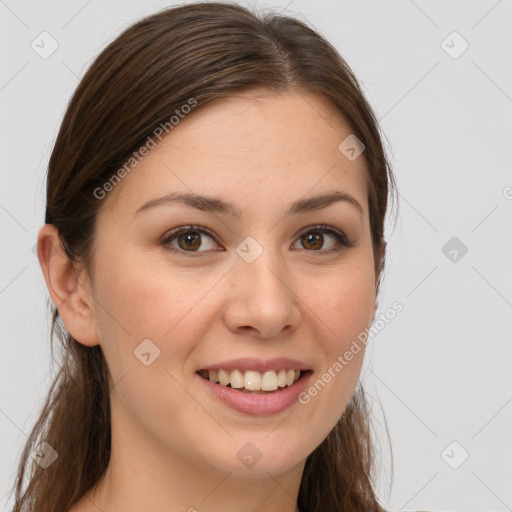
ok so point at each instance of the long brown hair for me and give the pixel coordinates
(203, 51)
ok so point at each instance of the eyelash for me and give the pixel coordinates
(340, 237)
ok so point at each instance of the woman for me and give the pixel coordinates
(213, 246)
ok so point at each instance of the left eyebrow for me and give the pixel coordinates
(217, 205)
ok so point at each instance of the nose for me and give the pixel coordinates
(262, 301)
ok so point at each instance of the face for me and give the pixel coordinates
(266, 284)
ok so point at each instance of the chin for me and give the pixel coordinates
(258, 455)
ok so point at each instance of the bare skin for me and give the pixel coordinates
(174, 444)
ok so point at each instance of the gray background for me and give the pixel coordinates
(440, 371)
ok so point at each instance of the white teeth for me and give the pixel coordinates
(223, 377)
(236, 379)
(281, 378)
(253, 380)
(269, 381)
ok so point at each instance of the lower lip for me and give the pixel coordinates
(258, 405)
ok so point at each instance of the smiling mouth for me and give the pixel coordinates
(254, 382)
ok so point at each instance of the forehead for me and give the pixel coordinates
(257, 148)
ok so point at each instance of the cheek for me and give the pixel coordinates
(344, 302)
(135, 304)
(139, 304)
(343, 306)
(143, 302)
(351, 307)
(137, 301)
(340, 305)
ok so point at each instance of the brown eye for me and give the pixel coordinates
(187, 239)
(313, 240)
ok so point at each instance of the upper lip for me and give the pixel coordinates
(259, 365)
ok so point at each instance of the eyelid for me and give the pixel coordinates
(171, 235)
(325, 228)
(343, 241)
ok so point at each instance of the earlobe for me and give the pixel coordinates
(68, 291)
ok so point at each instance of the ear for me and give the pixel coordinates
(69, 291)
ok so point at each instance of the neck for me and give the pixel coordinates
(142, 475)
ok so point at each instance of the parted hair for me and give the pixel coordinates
(204, 51)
